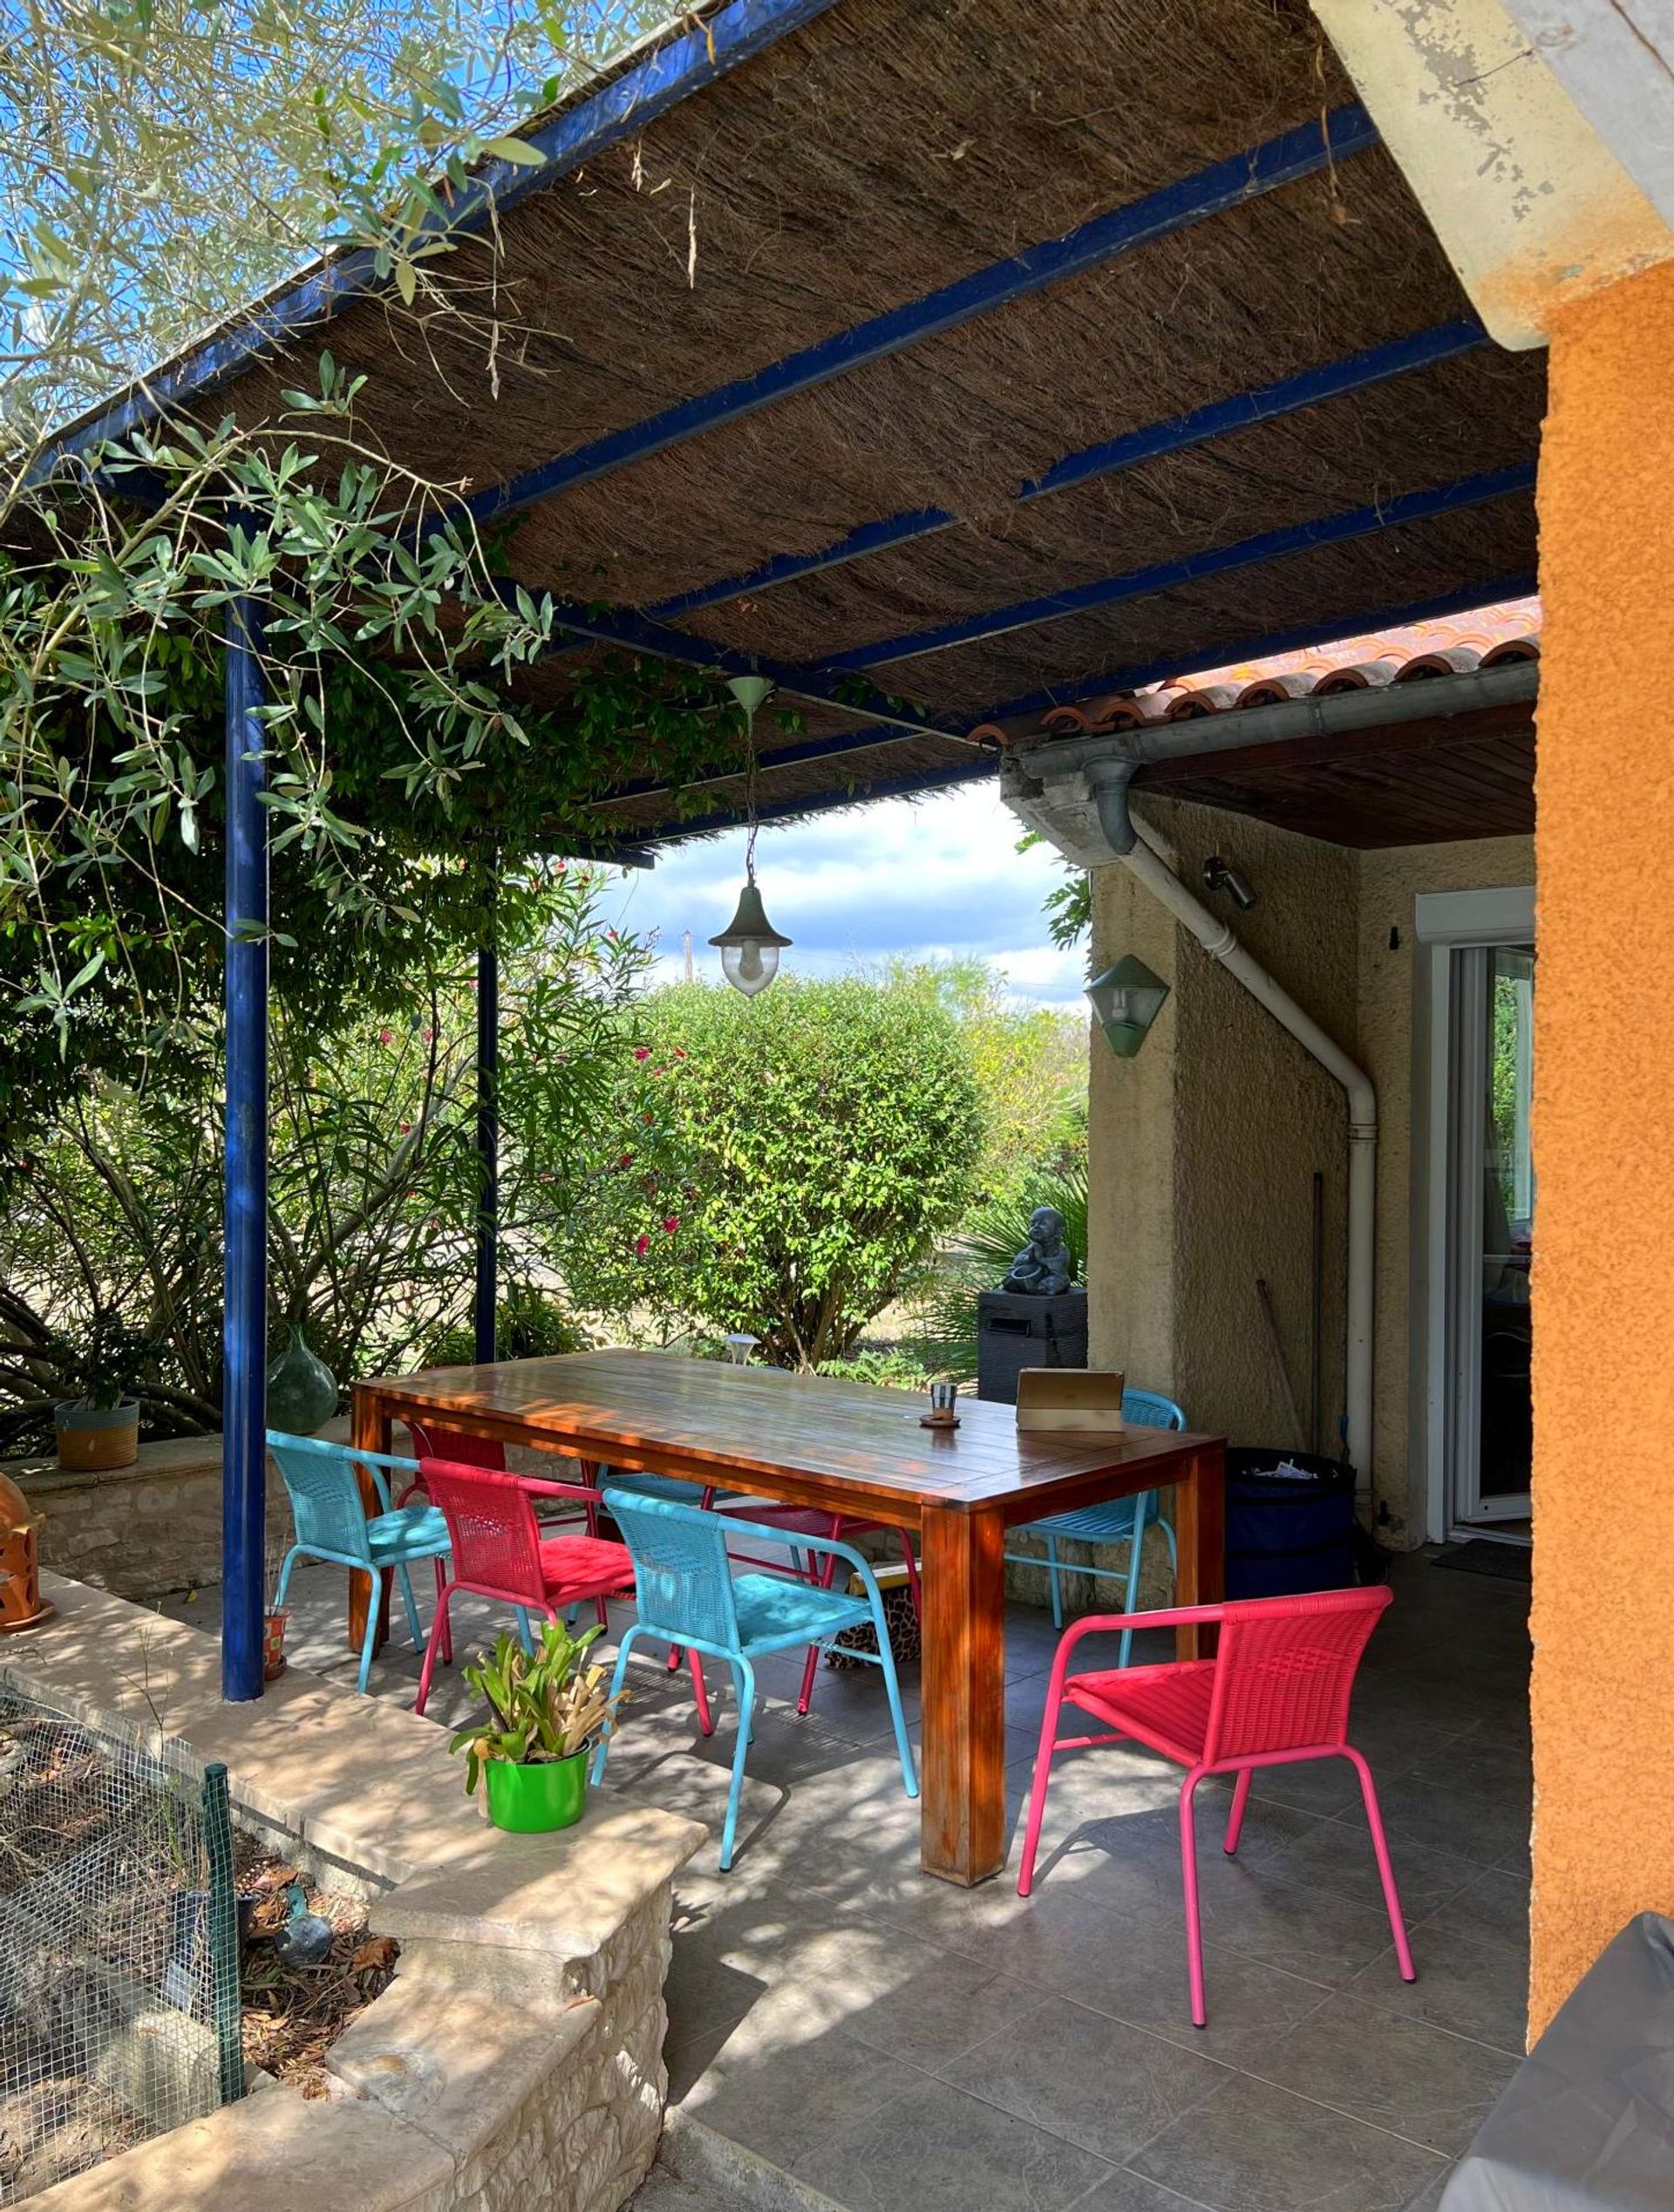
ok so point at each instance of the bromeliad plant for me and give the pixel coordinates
(544, 1706)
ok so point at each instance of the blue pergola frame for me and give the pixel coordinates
(1299, 639)
(623, 105)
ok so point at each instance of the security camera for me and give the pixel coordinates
(1219, 875)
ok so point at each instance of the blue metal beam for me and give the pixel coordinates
(244, 1327)
(846, 693)
(1302, 637)
(1333, 380)
(580, 130)
(1345, 131)
(1193, 567)
(960, 772)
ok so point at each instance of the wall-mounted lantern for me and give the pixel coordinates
(1127, 998)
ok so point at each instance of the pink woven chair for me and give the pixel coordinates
(499, 1552)
(430, 1443)
(1276, 1693)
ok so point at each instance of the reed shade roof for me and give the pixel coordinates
(886, 149)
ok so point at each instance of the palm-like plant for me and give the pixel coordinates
(544, 1705)
(989, 1238)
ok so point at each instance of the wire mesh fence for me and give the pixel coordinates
(118, 1945)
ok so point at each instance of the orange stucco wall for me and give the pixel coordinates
(1603, 1695)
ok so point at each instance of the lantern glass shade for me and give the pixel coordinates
(1127, 998)
(750, 945)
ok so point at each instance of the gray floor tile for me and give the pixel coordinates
(1133, 1968)
(1401, 2074)
(1483, 1818)
(938, 2150)
(1471, 1987)
(1429, 2198)
(1254, 2148)
(791, 1978)
(1495, 1908)
(1316, 1933)
(1127, 2191)
(1093, 2080)
(783, 2099)
(1337, 1855)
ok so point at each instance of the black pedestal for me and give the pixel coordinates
(1014, 1331)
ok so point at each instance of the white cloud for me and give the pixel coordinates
(937, 877)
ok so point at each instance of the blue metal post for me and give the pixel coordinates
(487, 1146)
(244, 1389)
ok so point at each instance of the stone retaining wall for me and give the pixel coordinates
(514, 2062)
(148, 1530)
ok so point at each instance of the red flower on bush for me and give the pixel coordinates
(679, 1052)
(387, 1036)
(672, 1223)
(641, 1052)
(642, 1246)
(627, 1159)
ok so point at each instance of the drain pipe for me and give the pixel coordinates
(1109, 780)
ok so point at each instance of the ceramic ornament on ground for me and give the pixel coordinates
(21, 1605)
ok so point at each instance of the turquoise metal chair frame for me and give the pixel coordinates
(332, 1523)
(1118, 1521)
(689, 1596)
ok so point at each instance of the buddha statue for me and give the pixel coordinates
(1046, 1267)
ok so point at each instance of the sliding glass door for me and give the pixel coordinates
(1490, 1232)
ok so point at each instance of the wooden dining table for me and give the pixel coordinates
(851, 1448)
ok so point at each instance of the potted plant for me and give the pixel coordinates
(99, 1430)
(547, 1712)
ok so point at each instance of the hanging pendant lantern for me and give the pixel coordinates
(750, 945)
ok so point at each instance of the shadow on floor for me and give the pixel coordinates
(898, 2045)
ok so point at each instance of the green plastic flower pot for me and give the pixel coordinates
(530, 1800)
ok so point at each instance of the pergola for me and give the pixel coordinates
(943, 364)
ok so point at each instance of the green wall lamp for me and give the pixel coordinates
(1127, 998)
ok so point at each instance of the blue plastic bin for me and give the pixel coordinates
(1291, 1523)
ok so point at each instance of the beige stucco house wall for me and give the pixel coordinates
(1204, 1148)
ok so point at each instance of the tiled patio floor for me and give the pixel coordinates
(902, 2046)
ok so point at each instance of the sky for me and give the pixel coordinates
(929, 878)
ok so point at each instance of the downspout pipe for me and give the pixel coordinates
(1109, 780)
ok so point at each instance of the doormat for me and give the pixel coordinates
(1481, 1556)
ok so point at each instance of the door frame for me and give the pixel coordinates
(1443, 922)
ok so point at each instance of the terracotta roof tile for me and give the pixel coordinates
(1486, 637)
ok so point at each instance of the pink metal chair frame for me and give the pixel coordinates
(1275, 1693)
(500, 1554)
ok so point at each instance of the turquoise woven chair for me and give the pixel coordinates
(332, 1523)
(1118, 1521)
(688, 1596)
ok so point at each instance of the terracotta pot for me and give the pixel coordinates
(93, 1439)
(274, 1662)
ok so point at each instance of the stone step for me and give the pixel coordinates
(697, 2170)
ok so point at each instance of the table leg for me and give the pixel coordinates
(962, 1837)
(370, 1428)
(1201, 1532)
